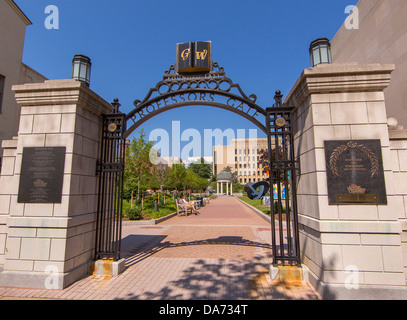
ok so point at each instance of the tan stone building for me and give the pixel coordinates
(380, 37)
(13, 23)
(242, 155)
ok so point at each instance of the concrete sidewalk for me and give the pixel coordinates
(222, 254)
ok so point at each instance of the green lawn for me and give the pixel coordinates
(257, 204)
(148, 212)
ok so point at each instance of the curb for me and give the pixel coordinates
(148, 222)
(260, 213)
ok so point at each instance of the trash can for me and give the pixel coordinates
(200, 199)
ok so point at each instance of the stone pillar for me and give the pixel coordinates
(7, 173)
(346, 246)
(49, 245)
(398, 147)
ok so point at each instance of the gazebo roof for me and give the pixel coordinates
(224, 176)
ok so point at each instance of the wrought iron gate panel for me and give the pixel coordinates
(111, 178)
(282, 171)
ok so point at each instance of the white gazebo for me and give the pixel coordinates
(224, 178)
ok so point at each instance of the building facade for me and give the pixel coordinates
(378, 34)
(242, 156)
(13, 23)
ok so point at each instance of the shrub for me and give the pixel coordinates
(134, 213)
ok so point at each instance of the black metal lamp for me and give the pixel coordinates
(320, 52)
(81, 67)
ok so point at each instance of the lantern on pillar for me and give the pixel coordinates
(320, 52)
(81, 67)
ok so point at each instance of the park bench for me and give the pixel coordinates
(182, 210)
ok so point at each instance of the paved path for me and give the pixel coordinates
(222, 254)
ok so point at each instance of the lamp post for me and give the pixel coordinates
(320, 52)
(81, 67)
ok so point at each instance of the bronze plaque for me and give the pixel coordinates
(42, 174)
(355, 172)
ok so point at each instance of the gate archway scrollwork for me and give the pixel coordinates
(211, 89)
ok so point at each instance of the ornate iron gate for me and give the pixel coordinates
(285, 236)
(212, 89)
(111, 175)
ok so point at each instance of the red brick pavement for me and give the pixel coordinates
(221, 254)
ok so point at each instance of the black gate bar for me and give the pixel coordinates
(282, 170)
(111, 181)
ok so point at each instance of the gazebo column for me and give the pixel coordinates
(221, 188)
(227, 188)
(217, 188)
(231, 188)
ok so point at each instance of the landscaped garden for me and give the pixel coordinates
(150, 190)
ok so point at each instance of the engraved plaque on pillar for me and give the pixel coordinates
(355, 172)
(42, 174)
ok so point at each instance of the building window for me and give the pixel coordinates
(2, 82)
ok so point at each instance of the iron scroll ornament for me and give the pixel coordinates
(211, 89)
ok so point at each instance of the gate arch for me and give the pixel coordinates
(213, 89)
(204, 89)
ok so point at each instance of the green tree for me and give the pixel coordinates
(161, 173)
(138, 162)
(202, 169)
(177, 176)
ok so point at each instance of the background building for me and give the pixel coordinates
(242, 156)
(380, 38)
(13, 23)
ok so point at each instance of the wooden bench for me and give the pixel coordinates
(182, 210)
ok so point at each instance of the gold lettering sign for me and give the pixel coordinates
(194, 57)
(185, 54)
(201, 55)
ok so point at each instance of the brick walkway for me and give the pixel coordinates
(222, 254)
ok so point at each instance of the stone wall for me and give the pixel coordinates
(41, 238)
(346, 244)
(380, 38)
(398, 147)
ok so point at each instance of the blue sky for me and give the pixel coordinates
(262, 44)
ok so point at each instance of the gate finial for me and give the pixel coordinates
(278, 99)
(116, 105)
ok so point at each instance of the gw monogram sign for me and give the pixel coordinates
(194, 57)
